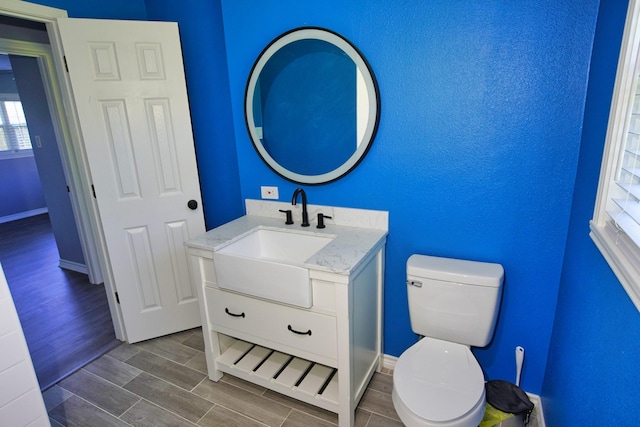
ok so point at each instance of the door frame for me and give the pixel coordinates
(72, 153)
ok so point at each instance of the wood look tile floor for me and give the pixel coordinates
(163, 382)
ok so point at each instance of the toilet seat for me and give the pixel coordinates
(436, 383)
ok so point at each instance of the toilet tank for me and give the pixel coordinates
(454, 300)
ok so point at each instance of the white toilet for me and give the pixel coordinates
(453, 304)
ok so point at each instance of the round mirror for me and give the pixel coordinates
(311, 106)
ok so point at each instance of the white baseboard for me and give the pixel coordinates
(73, 266)
(21, 215)
(389, 362)
(538, 404)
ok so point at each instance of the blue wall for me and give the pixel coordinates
(475, 158)
(592, 375)
(204, 55)
(479, 146)
(112, 9)
(200, 26)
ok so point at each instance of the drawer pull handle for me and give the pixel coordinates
(298, 332)
(226, 310)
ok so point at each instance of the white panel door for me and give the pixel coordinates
(129, 88)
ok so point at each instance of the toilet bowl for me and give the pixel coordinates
(438, 383)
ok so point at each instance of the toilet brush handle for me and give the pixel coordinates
(519, 362)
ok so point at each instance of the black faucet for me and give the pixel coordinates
(294, 200)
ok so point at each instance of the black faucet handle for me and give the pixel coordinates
(321, 218)
(289, 215)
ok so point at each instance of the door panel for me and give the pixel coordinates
(128, 84)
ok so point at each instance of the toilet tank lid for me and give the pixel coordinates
(455, 270)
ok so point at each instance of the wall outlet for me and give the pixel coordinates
(269, 192)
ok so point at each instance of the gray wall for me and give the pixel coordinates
(20, 190)
(47, 157)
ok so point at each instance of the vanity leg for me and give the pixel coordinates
(211, 353)
(212, 366)
(201, 262)
(346, 418)
(380, 257)
(346, 408)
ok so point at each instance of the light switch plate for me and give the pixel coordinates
(269, 192)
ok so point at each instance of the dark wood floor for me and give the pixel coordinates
(66, 319)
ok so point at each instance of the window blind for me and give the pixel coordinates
(15, 134)
(615, 227)
(624, 205)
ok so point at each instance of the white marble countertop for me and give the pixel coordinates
(350, 246)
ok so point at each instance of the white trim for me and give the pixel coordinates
(389, 362)
(72, 154)
(535, 399)
(30, 11)
(18, 154)
(620, 253)
(72, 265)
(68, 148)
(619, 106)
(617, 249)
(21, 215)
(72, 150)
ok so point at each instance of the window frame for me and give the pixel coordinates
(620, 252)
(13, 154)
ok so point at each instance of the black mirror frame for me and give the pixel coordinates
(372, 86)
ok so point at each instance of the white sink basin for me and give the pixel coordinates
(269, 263)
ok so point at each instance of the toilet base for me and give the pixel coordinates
(410, 419)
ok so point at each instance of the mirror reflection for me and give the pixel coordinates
(311, 106)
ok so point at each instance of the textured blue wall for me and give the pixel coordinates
(112, 9)
(204, 55)
(593, 376)
(203, 49)
(475, 158)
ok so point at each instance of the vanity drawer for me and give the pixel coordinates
(302, 329)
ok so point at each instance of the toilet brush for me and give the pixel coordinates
(519, 362)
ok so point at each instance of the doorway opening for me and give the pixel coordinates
(66, 319)
(131, 159)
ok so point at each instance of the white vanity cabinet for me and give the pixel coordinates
(324, 355)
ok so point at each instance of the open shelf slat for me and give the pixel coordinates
(293, 372)
(272, 365)
(315, 379)
(253, 358)
(330, 393)
(281, 372)
(234, 353)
